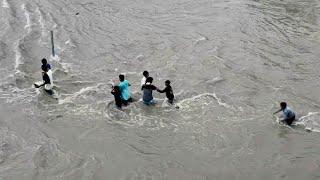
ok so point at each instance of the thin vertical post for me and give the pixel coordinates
(52, 44)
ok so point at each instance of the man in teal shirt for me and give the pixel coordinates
(125, 90)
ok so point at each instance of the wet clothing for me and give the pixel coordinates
(150, 102)
(289, 115)
(125, 90)
(48, 66)
(126, 102)
(290, 120)
(117, 98)
(46, 79)
(147, 92)
(47, 83)
(169, 93)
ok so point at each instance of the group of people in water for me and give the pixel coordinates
(122, 92)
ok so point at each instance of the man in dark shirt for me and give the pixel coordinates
(46, 80)
(168, 90)
(147, 91)
(45, 64)
(117, 96)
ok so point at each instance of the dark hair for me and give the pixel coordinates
(121, 77)
(283, 105)
(149, 79)
(44, 61)
(145, 73)
(117, 88)
(167, 82)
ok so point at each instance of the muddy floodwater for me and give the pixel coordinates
(230, 63)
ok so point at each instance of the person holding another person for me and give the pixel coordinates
(147, 92)
(117, 96)
(288, 115)
(168, 90)
(124, 87)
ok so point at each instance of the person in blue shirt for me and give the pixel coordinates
(45, 64)
(288, 115)
(124, 86)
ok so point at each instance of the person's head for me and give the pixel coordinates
(145, 74)
(167, 83)
(44, 68)
(121, 77)
(283, 105)
(149, 80)
(44, 61)
(116, 88)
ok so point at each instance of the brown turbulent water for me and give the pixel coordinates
(230, 63)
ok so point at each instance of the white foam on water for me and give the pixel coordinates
(130, 73)
(140, 57)
(5, 4)
(279, 122)
(221, 103)
(65, 66)
(71, 97)
(214, 80)
(202, 38)
(41, 22)
(27, 15)
(55, 58)
(311, 121)
(70, 43)
(57, 50)
(18, 61)
(213, 95)
(51, 19)
(21, 95)
(126, 73)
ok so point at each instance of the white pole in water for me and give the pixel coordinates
(52, 44)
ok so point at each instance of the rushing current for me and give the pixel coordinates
(230, 62)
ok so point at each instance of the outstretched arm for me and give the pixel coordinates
(162, 91)
(42, 84)
(38, 86)
(277, 111)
